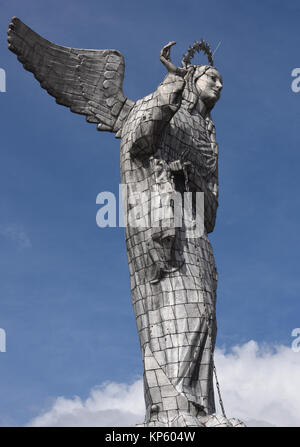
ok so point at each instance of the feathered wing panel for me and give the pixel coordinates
(89, 82)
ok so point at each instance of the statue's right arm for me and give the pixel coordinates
(154, 114)
(155, 111)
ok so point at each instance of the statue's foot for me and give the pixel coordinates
(218, 420)
(184, 419)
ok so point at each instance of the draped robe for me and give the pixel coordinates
(173, 276)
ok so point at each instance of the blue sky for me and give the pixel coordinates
(64, 291)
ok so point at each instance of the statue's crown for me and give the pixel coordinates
(197, 47)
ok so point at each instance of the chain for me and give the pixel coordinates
(213, 362)
(219, 391)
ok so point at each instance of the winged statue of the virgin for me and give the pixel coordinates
(168, 158)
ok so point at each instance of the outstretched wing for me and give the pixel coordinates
(89, 82)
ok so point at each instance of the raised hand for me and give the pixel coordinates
(165, 59)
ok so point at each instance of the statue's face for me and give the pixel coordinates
(209, 86)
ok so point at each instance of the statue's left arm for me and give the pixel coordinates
(209, 187)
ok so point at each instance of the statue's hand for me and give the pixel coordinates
(165, 59)
(178, 165)
(171, 88)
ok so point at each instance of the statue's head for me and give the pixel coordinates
(208, 84)
(203, 82)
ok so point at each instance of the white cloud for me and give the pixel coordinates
(108, 405)
(16, 234)
(259, 386)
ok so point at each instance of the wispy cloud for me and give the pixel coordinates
(16, 234)
(259, 386)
